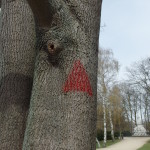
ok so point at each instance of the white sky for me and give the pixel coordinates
(127, 30)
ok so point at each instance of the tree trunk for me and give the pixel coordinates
(119, 123)
(126, 111)
(135, 110)
(98, 143)
(131, 113)
(111, 124)
(135, 118)
(141, 113)
(63, 104)
(17, 40)
(105, 128)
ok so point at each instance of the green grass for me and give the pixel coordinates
(109, 142)
(145, 146)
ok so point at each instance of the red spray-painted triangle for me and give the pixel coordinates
(78, 80)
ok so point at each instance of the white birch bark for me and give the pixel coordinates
(111, 123)
(105, 129)
(110, 118)
(98, 143)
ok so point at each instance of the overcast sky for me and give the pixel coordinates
(127, 30)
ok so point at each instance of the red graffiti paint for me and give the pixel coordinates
(78, 80)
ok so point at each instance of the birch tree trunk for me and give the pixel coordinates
(98, 143)
(105, 128)
(17, 38)
(63, 104)
(111, 123)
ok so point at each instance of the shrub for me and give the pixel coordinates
(126, 133)
(100, 135)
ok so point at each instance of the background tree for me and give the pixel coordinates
(127, 100)
(116, 108)
(107, 70)
(139, 78)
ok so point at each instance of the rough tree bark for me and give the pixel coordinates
(63, 105)
(17, 53)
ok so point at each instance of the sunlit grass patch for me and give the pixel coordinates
(145, 146)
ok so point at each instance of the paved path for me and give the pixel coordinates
(129, 143)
